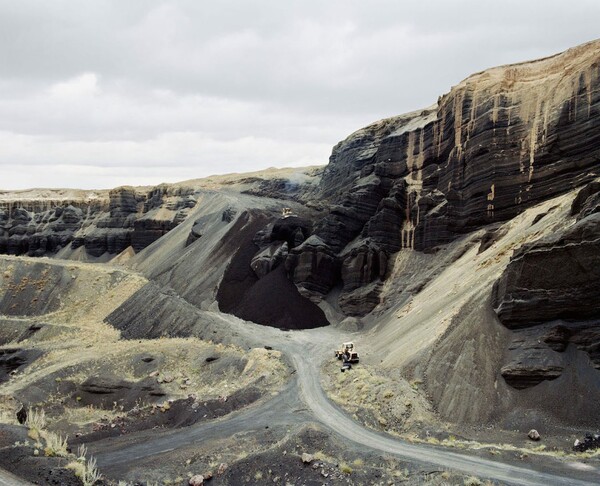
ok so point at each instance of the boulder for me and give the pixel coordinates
(197, 480)
(313, 267)
(269, 258)
(534, 435)
(307, 458)
(228, 215)
(530, 360)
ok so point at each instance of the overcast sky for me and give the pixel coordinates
(95, 94)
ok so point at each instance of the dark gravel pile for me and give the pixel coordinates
(272, 301)
(275, 301)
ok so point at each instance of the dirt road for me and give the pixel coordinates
(303, 349)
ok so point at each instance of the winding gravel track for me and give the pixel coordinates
(286, 409)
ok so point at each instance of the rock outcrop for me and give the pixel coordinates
(555, 278)
(101, 221)
(501, 141)
(255, 285)
(550, 290)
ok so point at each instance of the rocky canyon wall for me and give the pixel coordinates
(100, 221)
(501, 141)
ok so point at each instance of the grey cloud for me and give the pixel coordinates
(285, 74)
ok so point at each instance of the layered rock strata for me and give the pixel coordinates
(550, 294)
(102, 222)
(501, 141)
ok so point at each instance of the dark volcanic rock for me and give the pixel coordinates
(103, 391)
(239, 276)
(554, 278)
(109, 224)
(362, 300)
(557, 338)
(275, 301)
(147, 231)
(529, 368)
(313, 267)
(363, 270)
(123, 202)
(551, 291)
(271, 300)
(13, 360)
(501, 141)
(587, 201)
(291, 229)
(276, 189)
(491, 236)
(228, 215)
(269, 258)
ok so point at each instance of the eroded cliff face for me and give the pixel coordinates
(549, 296)
(501, 141)
(103, 222)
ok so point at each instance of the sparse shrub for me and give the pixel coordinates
(81, 452)
(258, 475)
(36, 421)
(34, 434)
(77, 467)
(345, 468)
(56, 446)
(472, 481)
(358, 462)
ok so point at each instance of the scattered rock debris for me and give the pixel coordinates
(590, 442)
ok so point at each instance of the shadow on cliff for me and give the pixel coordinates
(272, 300)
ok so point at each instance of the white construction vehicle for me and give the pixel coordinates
(347, 353)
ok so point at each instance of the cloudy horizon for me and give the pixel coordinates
(99, 94)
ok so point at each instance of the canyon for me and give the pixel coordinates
(458, 246)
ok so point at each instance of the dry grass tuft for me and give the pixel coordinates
(56, 446)
(86, 471)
